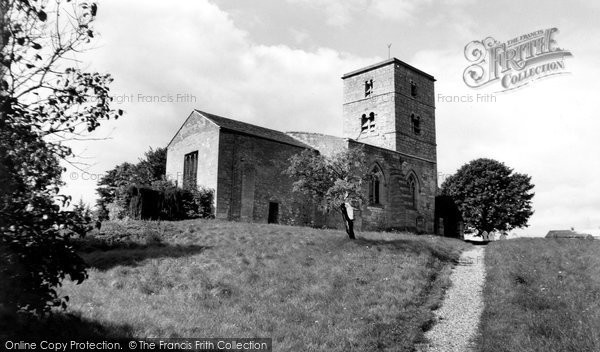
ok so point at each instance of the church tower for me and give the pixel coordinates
(391, 105)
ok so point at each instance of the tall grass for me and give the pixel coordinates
(541, 295)
(308, 289)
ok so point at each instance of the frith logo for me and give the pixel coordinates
(515, 63)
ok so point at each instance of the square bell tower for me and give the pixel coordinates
(391, 105)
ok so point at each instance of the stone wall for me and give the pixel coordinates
(251, 176)
(196, 134)
(380, 102)
(392, 102)
(396, 147)
(422, 105)
(395, 210)
(246, 169)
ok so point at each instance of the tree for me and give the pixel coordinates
(44, 102)
(146, 172)
(153, 167)
(332, 181)
(83, 210)
(490, 196)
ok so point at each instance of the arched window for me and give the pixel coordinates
(415, 122)
(413, 88)
(413, 188)
(368, 88)
(367, 123)
(375, 180)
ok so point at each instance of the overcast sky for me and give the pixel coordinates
(278, 64)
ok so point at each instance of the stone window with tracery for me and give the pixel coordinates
(375, 183)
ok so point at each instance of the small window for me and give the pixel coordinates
(368, 88)
(367, 123)
(420, 224)
(415, 122)
(413, 88)
(190, 170)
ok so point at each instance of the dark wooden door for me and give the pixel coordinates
(273, 213)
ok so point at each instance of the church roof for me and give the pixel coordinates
(325, 144)
(384, 63)
(253, 130)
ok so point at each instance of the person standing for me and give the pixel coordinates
(350, 213)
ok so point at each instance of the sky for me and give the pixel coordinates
(278, 64)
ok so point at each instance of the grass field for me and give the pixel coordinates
(308, 289)
(541, 295)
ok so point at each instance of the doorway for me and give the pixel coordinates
(273, 213)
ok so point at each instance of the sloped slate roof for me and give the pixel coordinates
(253, 130)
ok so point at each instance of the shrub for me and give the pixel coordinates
(198, 203)
(162, 203)
(172, 204)
(115, 211)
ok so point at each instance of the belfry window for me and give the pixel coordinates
(413, 88)
(368, 88)
(367, 123)
(415, 122)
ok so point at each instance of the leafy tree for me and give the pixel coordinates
(44, 101)
(120, 176)
(83, 210)
(332, 181)
(154, 165)
(490, 196)
(146, 172)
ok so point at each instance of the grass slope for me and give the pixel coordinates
(541, 295)
(308, 289)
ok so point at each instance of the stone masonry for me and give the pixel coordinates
(388, 110)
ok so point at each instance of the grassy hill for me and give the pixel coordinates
(541, 295)
(308, 289)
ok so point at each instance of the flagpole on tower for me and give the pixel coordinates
(389, 46)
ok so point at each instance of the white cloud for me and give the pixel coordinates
(342, 12)
(399, 10)
(299, 36)
(338, 13)
(205, 55)
(549, 131)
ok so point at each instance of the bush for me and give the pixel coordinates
(198, 203)
(115, 211)
(166, 203)
(36, 252)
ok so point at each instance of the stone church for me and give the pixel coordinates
(388, 109)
